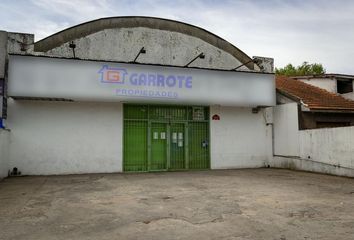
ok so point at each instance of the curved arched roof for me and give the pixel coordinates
(91, 27)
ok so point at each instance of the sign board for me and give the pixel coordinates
(80, 80)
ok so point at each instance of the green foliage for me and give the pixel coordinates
(302, 70)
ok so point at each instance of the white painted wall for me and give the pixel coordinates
(286, 130)
(74, 137)
(311, 166)
(4, 152)
(325, 83)
(65, 137)
(240, 139)
(325, 150)
(333, 146)
(349, 96)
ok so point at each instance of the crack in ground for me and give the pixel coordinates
(214, 220)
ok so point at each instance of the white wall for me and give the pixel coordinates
(240, 139)
(333, 146)
(325, 150)
(325, 83)
(311, 166)
(65, 137)
(70, 137)
(4, 147)
(349, 96)
(286, 130)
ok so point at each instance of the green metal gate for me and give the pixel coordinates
(160, 138)
(158, 147)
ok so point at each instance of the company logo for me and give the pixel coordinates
(112, 75)
(145, 84)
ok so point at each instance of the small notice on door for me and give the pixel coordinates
(180, 136)
(174, 137)
(163, 135)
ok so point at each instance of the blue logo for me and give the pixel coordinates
(150, 81)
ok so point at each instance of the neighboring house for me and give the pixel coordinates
(318, 108)
(336, 83)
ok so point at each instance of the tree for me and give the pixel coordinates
(302, 70)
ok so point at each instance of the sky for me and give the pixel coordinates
(290, 31)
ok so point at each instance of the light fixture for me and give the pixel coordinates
(142, 51)
(243, 64)
(255, 110)
(256, 61)
(201, 56)
(72, 45)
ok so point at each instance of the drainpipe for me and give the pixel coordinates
(269, 122)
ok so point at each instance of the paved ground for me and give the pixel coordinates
(231, 204)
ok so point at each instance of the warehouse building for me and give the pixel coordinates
(133, 94)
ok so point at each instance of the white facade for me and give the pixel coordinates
(86, 136)
(328, 84)
(70, 138)
(65, 137)
(240, 139)
(50, 137)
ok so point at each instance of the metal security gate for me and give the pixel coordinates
(161, 138)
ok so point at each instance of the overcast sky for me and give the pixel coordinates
(288, 31)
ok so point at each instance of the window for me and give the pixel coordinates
(344, 86)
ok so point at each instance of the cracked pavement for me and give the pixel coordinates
(218, 204)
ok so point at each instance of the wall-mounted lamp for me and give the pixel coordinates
(142, 51)
(252, 60)
(255, 110)
(72, 45)
(201, 56)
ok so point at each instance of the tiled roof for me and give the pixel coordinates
(314, 97)
(326, 75)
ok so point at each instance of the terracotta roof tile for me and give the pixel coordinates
(314, 97)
